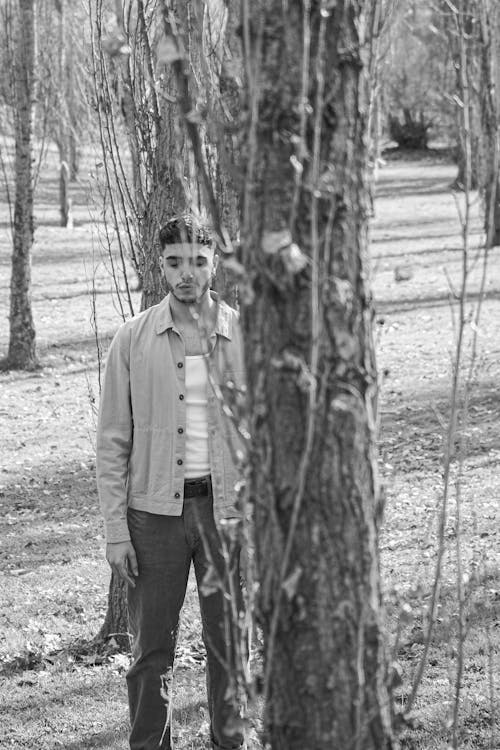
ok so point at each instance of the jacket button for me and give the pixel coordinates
(180, 430)
(181, 397)
(179, 461)
(177, 495)
(180, 365)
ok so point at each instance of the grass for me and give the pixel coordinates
(53, 577)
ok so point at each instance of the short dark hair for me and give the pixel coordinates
(184, 228)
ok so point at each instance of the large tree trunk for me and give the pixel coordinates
(221, 67)
(129, 110)
(312, 380)
(22, 349)
(165, 198)
(169, 167)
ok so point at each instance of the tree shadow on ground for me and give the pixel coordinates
(107, 738)
(432, 154)
(74, 295)
(401, 188)
(65, 352)
(64, 252)
(411, 433)
(418, 252)
(418, 221)
(392, 307)
(50, 517)
(40, 700)
(481, 606)
(48, 192)
(385, 240)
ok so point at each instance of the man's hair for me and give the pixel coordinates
(184, 229)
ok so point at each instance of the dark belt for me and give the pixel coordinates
(197, 487)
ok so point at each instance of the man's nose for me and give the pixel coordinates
(187, 272)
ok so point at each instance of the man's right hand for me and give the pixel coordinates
(122, 558)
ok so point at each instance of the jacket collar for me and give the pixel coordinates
(223, 324)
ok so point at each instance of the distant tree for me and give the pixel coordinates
(312, 382)
(416, 76)
(61, 110)
(22, 346)
(488, 23)
(449, 29)
(381, 19)
(63, 129)
(473, 31)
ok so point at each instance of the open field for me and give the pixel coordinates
(53, 578)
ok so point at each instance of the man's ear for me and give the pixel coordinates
(215, 262)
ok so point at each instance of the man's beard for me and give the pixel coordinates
(194, 298)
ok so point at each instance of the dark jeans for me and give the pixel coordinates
(165, 547)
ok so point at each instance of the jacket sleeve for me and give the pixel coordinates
(114, 438)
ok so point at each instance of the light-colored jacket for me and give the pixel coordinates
(142, 418)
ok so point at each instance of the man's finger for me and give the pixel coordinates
(120, 570)
(132, 561)
(126, 577)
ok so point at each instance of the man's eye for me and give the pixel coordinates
(171, 263)
(201, 261)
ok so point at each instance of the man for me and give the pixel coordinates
(166, 477)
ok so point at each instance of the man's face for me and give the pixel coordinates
(188, 269)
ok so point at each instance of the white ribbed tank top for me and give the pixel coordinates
(197, 460)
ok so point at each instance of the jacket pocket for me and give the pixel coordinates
(150, 467)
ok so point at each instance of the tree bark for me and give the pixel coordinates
(221, 75)
(65, 203)
(168, 158)
(129, 108)
(165, 198)
(22, 346)
(63, 126)
(115, 625)
(312, 381)
(489, 109)
(495, 240)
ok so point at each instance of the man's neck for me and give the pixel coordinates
(199, 313)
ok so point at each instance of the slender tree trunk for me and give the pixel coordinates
(73, 129)
(496, 79)
(115, 625)
(65, 213)
(475, 116)
(460, 158)
(496, 218)
(489, 67)
(65, 204)
(22, 348)
(312, 380)
(226, 109)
